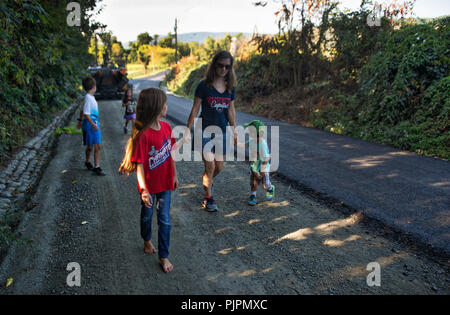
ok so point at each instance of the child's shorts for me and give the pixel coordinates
(130, 116)
(90, 136)
(265, 180)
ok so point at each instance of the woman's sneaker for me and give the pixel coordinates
(252, 200)
(98, 171)
(209, 204)
(270, 193)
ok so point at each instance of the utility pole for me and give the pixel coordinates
(96, 49)
(153, 61)
(176, 42)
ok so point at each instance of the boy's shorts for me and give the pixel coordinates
(90, 136)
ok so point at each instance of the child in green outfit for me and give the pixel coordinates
(260, 168)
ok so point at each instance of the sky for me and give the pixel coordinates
(128, 18)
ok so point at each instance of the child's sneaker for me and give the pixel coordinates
(125, 130)
(252, 200)
(209, 204)
(89, 166)
(98, 171)
(270, 193)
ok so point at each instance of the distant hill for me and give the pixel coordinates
(202, 36)
(197, 37)
(426, 20)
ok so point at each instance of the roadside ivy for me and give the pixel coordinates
(42, 61)
(404, 88)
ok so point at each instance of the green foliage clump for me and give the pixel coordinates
(401, 97)
(387, 84)
(261, 75)
(185, 76)
(42, 61)
(71, 130)
(404, 90)
(354, 41)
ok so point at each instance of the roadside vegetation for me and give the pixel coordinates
(42, 61)
(333, 70)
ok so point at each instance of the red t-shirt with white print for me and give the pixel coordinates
(153, 149)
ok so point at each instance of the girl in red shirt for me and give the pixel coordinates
(149, 153)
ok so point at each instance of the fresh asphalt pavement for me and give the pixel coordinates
(403, 190)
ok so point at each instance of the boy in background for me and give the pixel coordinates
(91, 126)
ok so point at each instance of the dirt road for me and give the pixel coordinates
(292, 245)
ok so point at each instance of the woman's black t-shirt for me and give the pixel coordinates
(214, 105)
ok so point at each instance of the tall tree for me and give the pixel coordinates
(168, 41)
(133, 54)
(155, 39)
(117, 53)
(106, 38)
(144, 39)
(144, 57)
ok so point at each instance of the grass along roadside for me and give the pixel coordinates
(136, 71)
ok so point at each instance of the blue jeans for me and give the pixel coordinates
(162, 202)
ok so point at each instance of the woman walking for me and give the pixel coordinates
(215, 96)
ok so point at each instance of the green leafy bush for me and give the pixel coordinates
(185, 76)
(42, 62)
(404, 99)
(387, 85)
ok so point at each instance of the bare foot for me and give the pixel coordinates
(166, 265)
(148, 247)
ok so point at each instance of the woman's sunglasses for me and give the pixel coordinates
(221, 65)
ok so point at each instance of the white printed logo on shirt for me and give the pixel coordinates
(219, 103)
(158, 157)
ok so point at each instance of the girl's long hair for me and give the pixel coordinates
(230, 78)
(150, 104)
